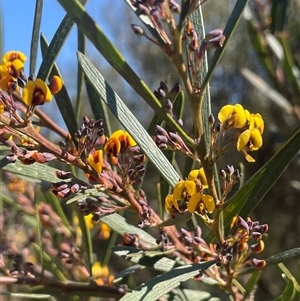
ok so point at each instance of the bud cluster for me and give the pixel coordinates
(171, 141)
(230, 177)
(196, 52)
(89, 133)
(159, 12)
(248, 239)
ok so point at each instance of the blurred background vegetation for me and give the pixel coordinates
(249, 73)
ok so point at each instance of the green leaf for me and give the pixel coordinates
(128, 271)
(80, 74)
(55, 46)
(119, 224)
(288, 292)
(158, 286)
(278, 15)
(35, 35)
(275, 259)
(254, 190)
(128, 120)
(62, 98)
(155, 259)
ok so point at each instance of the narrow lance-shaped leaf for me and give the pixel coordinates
(35, 35)
(156, 287)
(252, 193)
(128, 120)
(62, 98)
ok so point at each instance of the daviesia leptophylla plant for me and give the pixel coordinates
(192, 223)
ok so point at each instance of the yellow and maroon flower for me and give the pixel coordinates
(8, 83)
(198, 174)
(232, 116)
(201, 204)
(251, 139)
(13, 55)
(118, 142)
(96, 160)
(36, 93)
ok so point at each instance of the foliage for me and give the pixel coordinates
(84, 203)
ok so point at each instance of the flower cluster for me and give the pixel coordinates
(12, 78)
(250, 127)
(188, 195)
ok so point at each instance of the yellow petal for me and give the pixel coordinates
(202, 178)
(256, 140)
(208, 202)
(40, 84)
(194, 201)
(168, 202)
(178, 190)
(258, 122)
(28, 92)
(248, 157)
(193, 175)
(96, 160)
(112, 145)
(243, 140)
(6, 82)
(190, 187)
(248, 115)
(225, 113)
(241, 116)
(12, 55)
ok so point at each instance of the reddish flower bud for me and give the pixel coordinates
(258, 247)
(257, 263)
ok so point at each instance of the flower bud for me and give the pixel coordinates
(242, 246)
(256, 236)
(55, 84)
(137, 29)
(257, 263)
(241, 223)
(258, 247)
(261, 228)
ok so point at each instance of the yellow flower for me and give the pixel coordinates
(183, 189)
(8, 83)
(198, 174)
(251, 139)
(13, 55)
(232, 116)
(13, 67)
(88, 221)
(201, 203)
(96, 160)
(170, 204)
(182, 193)
(101, 274)
(119, 141)
(36, 93)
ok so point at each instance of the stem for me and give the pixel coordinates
(70, 287)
